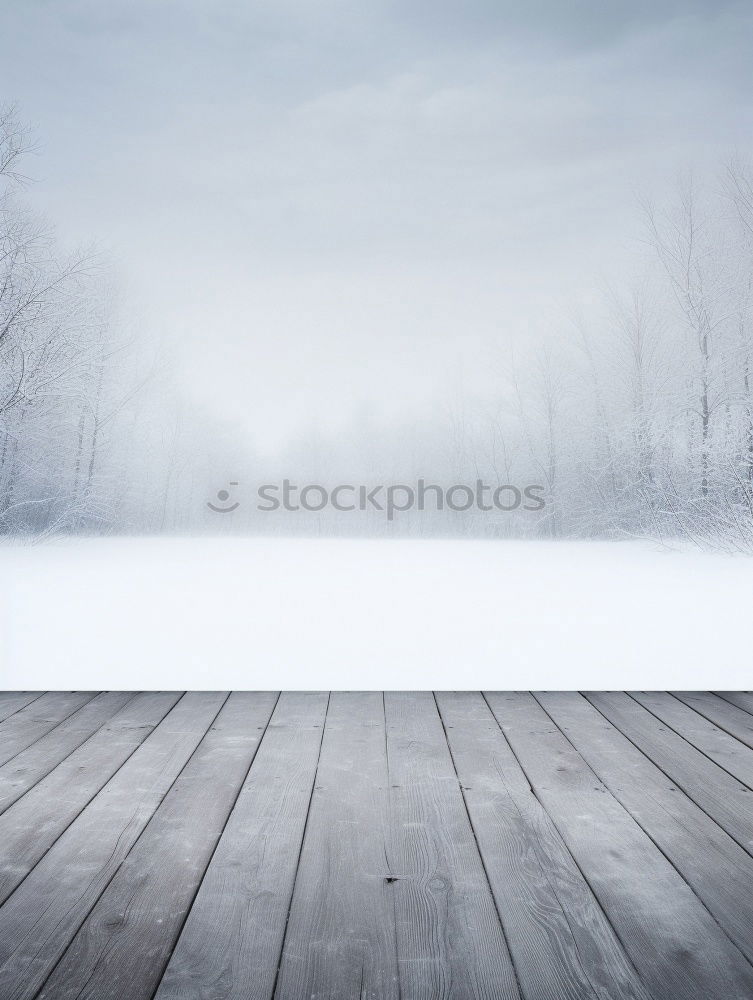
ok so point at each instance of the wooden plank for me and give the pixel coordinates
(450, 940)
(723, 797)
(124, 944)
(675, 944)
(32, 764)
(231, 942)
(340, 940)
(32, 824)
(44, 913)
(690, 723)
(562, 944)
(22, 728)
(13, 701)
(734, 721)
(741, 699)
(710, 861)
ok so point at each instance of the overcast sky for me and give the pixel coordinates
(329, 205)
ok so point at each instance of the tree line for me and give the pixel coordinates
(634, 416)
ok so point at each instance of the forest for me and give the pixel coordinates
(635, 414)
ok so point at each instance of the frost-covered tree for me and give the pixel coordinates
(65, 375)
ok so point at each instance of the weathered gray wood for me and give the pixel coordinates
(723, 797)
(604, 872)
(675, 944)
(46, 910)
(31, 825)
(449, 937)
(21, 729)
(562, 945)
(124, 944)
(340, 941)
(741, 699)
(13, 701)
(710, 861)
(734, 721)
(21, 773)
(689, 722)
(231, 943)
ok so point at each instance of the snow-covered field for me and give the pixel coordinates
(269, 613)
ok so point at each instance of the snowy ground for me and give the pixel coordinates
(251, 613)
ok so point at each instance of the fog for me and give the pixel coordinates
(379, 242)
(336, 206)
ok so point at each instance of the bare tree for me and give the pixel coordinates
(689, 250)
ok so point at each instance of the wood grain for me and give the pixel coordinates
(673, 941)
(123, 946)
(23, 727)
(13, 701)
(563, 946)
(44, 913)
(340, 941)
(689, 722)
(409, 846)
(740, 699)
(30, 826)
(710, 861)
(231, 943)
(720, 795)
(21, 773)
(449, 938)
(732, 720)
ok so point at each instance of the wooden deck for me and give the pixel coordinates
(405, 846)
